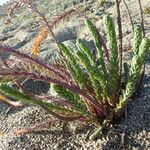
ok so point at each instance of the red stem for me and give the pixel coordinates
(39, 62)
(46, 108)
(56, 100)
(73, 88)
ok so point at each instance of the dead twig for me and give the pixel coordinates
(141, 17)
(35, 127)
(120, 48)
(129, 14)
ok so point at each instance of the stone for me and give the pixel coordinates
(36, 87)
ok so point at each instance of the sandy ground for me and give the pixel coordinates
(74, 136)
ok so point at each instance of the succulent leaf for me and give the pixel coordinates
(95, 34)
(9, 91)
(91, 71)
(137, 38)
(83, 47)
(113, 64)
(76, 71)
(97, 40)
(70, 97)
(136, 66)
(126, 71)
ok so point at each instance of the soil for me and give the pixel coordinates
(130, 133)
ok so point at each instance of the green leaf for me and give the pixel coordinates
(11, 92)
(73, 66)
(137, 38)
(60, 109)
(113, 64)
(71, 97)
(92, 71)
(126, 71)
(95, 34)
(97, 40)
(84, 48)
(136, 66)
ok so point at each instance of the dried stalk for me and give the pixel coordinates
(129, 15)
(141, 17)
(35, 127)
(120, 34)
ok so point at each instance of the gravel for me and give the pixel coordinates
(74, 136)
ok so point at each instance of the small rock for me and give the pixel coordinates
(36, 87)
